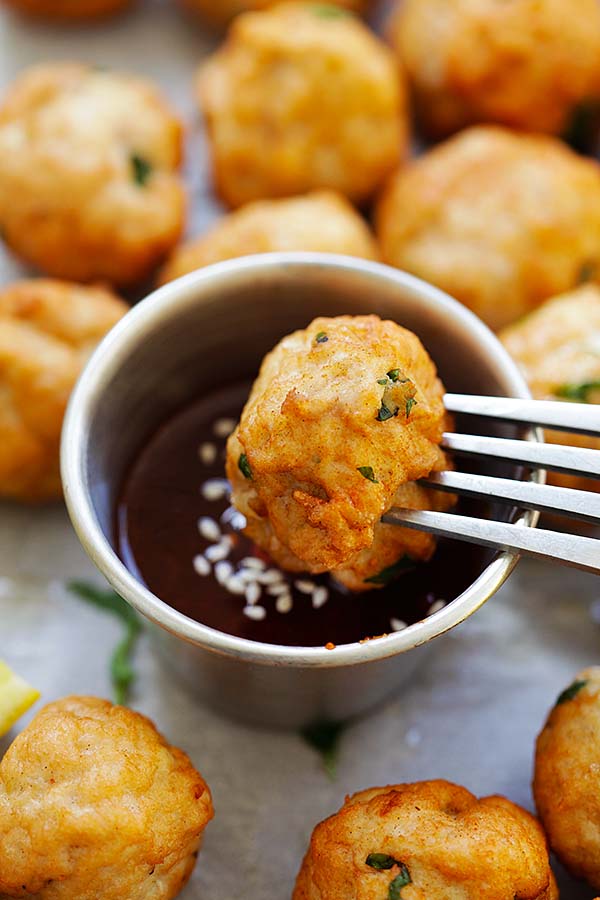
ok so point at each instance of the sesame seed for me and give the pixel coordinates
(224, 427)
(223, 570)
(253, 592)
(217, 552)
(435, 607)
(207, 453)
(234, 518)
(257, 613)
(235, 585)
(215, 489)
(201, 565)
(320, 597)
(397, 624)
(209, 529)
(271, 576)
(277, 590)
(253, 562)
(284, 604)
(305, 587)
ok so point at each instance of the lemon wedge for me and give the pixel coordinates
(16, 696)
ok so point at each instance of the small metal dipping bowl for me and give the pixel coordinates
(213, 327)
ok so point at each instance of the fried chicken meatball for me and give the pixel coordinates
(222, 12)
(88, 173)
(526, 64)
(47, 331)
(342, 419)
(322, 221)
(298, 98)
(558, 349)
(566, 783)
(96, 805)
(426, 841)
(501, 221)
(69, 9)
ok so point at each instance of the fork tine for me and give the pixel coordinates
(582, 418)
(572, 550)
(572, 460)
(582, 505)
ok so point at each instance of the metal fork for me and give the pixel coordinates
(570, 549)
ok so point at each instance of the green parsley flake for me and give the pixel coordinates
(409, 405)
(244, 466)
(396, 376)
(386, 413)
(578, 392)
(399, 882)
(368, 473)
(380, 861)
(325, 11)
(141, 169)
(386, 576)
(570, 692)
(321, 338)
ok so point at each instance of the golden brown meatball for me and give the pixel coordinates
(323, 222)
(342, 418)
(94, 803)
(69, 9)
(47, 331)
(88, 173)
(501, 221)
(525, 63)
(298, 98)
(558, 348)
(566, 783)
(426, 841)
(221, 12)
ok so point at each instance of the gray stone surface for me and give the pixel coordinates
(474, 708)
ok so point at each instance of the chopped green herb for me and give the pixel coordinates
(386, 576)
(409, 405)
(141, 169)
(325, 11)
(383, 381)
(395, 375)
(385, 413)
(321, 338)
(368, 473)
(587, 272)
(579, 392)
(380, 861)
(399, 882)
(121, 671)
(244, 466)
(324, 737)
(570, 692)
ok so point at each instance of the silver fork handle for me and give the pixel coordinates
(582, 418)
(571, 550)
(558, 458)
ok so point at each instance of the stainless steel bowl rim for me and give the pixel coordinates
(166, 302)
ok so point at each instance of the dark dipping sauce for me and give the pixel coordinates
(158, 538)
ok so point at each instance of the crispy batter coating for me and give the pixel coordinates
(526, 64)
(221, 12)
(322, 221)
(94, 803)
(558, 348)
(566, 781)
(69, 9)
(297, 99)
(88, 173)
(501, 221)
(342, 418)
(47, 331)
(434, 841)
